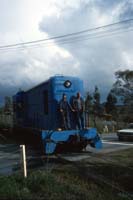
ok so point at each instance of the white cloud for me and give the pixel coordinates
(93, 60)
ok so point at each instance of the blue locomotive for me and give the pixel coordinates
(36, 111)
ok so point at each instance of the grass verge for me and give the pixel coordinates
(101, 177)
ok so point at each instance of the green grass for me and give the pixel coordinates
(87, 179)
(40, 185)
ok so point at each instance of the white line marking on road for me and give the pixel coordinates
(119, 143)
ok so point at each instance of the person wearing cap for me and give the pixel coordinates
(78, 106)
(65, 108)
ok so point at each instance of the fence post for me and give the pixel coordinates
(24, 160)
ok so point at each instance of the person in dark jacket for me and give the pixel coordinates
(78, 106)
(65, 108)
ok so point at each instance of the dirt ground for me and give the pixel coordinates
(115, 170)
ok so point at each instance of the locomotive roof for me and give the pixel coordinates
(47, 81)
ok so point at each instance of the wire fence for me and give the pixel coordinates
(11, 161)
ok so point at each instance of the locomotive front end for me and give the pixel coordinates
(71, 137)
(70, 140)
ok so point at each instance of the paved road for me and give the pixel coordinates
(110, 144)
(9, 157)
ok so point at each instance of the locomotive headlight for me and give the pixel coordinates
(67, 84)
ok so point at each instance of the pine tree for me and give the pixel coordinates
(96, 101)
(96, 104)
(8, 105)
(88, 108)
(110, 103)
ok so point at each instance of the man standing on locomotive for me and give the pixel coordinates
(78, 106)
(65, 108)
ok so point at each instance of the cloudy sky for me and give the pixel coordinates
(94, 60)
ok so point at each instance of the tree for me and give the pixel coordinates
(96, 96)
(96, 105)
(1, 110)
(123, 89)
(96, 102)
(8, 105)
(88, 103)
(110, 103)
(88, 107)
(124, 85)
